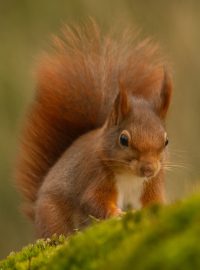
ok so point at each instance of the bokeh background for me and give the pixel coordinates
(25, 29)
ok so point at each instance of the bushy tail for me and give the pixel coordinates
(66, 105)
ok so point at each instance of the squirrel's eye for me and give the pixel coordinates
(166, 142)
(124, 139)
(166, 139)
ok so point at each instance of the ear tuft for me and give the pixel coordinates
(165, 94)
(121, 106)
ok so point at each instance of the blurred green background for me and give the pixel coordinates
(25, 29)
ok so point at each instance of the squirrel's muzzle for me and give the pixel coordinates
(147, 169)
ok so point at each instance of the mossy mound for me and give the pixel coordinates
(154, 238)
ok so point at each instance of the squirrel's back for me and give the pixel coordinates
(77, 85)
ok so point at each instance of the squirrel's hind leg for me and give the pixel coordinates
(53, 216)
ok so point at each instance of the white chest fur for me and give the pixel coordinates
(129, 189)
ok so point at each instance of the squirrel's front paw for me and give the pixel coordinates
(116, 212)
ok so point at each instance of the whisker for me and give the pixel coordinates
(175, 165)
(116, 160)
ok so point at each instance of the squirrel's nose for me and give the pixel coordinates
(147, 169)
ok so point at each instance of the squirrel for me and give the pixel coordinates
(94, 142)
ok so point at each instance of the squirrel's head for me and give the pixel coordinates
(135, 138)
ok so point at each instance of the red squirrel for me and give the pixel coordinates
(94, 143)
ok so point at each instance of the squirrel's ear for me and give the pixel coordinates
(164, 99)
(121, 107)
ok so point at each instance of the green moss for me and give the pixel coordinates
(154, 238)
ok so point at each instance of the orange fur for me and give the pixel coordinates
(77, 86)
